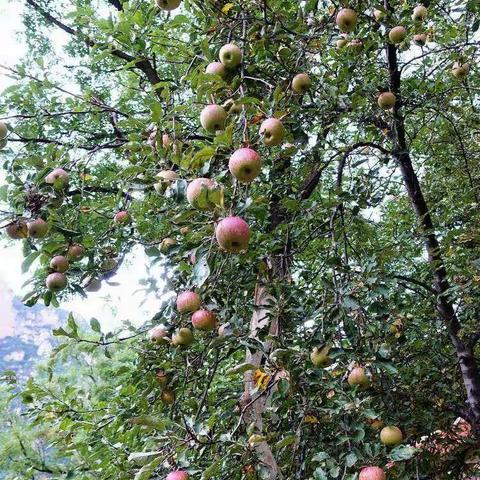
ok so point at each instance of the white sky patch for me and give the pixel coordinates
(112, 304)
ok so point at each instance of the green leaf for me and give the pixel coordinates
(403, 452)
(201, 271)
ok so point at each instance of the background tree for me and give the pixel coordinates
(347, 301)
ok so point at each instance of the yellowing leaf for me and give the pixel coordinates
(227, 7)
(310, 419)
(261, 379)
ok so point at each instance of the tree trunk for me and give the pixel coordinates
(465, 354)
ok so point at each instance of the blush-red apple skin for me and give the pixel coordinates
(233, 234)
(245, 165)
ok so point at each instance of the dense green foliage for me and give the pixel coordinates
(336, 253)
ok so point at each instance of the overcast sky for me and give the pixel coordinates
(112, 304)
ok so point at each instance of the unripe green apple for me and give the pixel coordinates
(188, 302)
(17, 230)
(58, 178)
(168, 396)
(37, 228)
(341, 42)
(419, 13)
(158, 335)
(319, 357)
(59, 263)
(386, 100)
(3, 130)
(213, 118)
(301, 83)
(397, 34)
(233, 234)
(391, 436)
(216, 68)
(245, 165)
(346, 19)
(166, 177)
(56, 282)
(204, 320)
(372, 473)
(183, 337)
(168, 4)
(460, 70)
(379, 15)
(230, 55)
(76, 252)
(272, 131)
(162, 377)
(357, 377)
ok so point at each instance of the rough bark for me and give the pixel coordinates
(464, 351)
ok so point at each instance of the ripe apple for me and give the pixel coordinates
(92, 284)
(301, 83)
(379, 14)
(75, 252)
(184, 337)
(346, 19)
(319, 357)
(358, 377)
(168, 396)
(56, 282)
(204, 320)
(419, 13)
(188, 302)
(391, 436)
(168, 4)
(273, 132)
(216, 68)
(372, 473)
(197, 193)
(460, 70)
(341, 42)
(17, 230)
(397, 34)
(233, 234)
(420, 39)
(213, 118)
(37, 228)
(122, 217)
(177, 475)
(245, 165)
(230, 55)
(58, 178)
(166, 244)
(59, 263)
(386, 100)
(166, 140)
(3, 130)
(158, 335)
(166, 177)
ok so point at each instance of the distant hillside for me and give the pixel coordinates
(25, 332)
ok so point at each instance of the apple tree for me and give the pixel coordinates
(308, 172)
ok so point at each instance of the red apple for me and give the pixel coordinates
(245, 165)
(204, 320)
(372, 473)
(59, 263)
(213, 118)
(122, 217)
(358, 377)
(37, 228)
(17, 230)
(158, 335)
(272, 131)
(216, 68)
(188, 302)
(76, 251)
(420, 39)
(233, 234)
(166, 177)
(56, 282)
(58, 178)
(177, 475)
